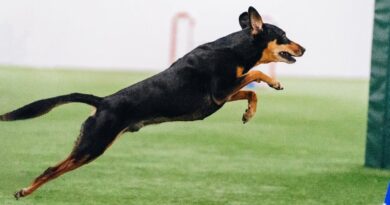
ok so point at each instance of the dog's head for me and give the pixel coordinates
(275, 45)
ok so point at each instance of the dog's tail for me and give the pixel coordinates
(42, 107)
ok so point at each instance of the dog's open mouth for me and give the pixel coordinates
(288, 56)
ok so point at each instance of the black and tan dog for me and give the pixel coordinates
(192, 88)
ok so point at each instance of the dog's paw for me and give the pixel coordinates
(276, 85)
(247, 115)
(19, 194)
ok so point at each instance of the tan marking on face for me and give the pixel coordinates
(271, 53)
(239, 71)
(297, 49)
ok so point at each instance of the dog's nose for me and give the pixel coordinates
(303, 50)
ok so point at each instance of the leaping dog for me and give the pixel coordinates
(192, 88)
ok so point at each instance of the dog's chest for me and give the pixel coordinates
(200, 113)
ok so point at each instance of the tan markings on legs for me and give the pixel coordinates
(252, 103)
(50, 174)
(257, 76)
(251, 76)
(72, 162)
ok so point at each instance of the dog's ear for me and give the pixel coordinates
(244, 20)
(255, 21)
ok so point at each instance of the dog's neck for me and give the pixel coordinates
(248, 50)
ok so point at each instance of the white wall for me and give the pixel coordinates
(130, 34)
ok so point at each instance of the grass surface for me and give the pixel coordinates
(304, 146)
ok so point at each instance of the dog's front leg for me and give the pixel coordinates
(252, 103)
(251, 76)
(255, 76)
(221, 96)
(258, 76)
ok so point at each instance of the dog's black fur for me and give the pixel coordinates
(192, 88)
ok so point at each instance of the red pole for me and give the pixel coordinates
(174, 29)
(172, 52)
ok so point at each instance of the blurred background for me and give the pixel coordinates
(136, 35)
(305, 146)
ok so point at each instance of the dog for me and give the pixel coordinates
(192, 88)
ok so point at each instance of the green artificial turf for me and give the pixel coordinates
(304, 146)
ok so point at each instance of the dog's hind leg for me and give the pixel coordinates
(97, 134)
(252, 103)
(52, 172)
